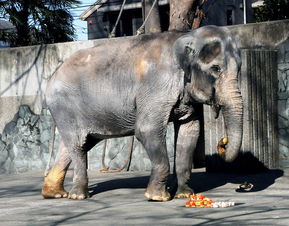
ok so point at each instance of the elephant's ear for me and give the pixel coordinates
(209, 52)
(184, 54)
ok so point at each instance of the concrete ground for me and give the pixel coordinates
(118, 199)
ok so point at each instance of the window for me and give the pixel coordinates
(230, 13)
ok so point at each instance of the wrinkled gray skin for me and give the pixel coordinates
(136, 86)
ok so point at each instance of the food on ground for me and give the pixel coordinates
(200, 201)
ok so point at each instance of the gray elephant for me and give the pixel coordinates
(136, 87)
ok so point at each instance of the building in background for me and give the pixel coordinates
(227, 12)
(5, 26)
(102, 16)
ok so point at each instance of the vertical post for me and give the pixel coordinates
(245, 11)
(143, 10)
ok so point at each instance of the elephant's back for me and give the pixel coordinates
(116, 58)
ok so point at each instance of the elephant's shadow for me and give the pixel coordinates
(204, 181)
(200, 181)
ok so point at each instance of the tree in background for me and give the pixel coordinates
(184, 15)
(38, 22)
(187, 15)
(272, 10)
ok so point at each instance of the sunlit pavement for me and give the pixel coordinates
(118, 199)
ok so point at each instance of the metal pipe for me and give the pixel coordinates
(245, 11)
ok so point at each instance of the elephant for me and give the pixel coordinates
(136, 86)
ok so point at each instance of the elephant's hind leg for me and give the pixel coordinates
(78, 153)
(79, 188)
(53, 182)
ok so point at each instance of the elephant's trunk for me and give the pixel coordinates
(229, 97)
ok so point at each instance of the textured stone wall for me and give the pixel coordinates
(117, 153)
(283, 103)
(24, 142)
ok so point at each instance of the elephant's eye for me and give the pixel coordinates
(216, 68)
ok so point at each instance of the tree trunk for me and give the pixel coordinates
(181, 14)
(186, 15)
(153, 22)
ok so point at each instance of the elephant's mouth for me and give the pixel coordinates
(216, 107)
(215, 104)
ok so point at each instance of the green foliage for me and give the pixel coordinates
(37, 21)
(272, 10)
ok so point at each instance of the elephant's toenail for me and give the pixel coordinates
(74, 196)
(81, 197)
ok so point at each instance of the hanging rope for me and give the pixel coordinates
(141, 29)
(112, 33)
(105, 168)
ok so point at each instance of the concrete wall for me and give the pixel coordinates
(23, 76)
(283, 103)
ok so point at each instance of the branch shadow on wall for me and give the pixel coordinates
(23, 74)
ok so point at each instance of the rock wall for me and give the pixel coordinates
(24, 142)
(117, 153)
(283, 103)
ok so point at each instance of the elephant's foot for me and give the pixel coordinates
(53, 185)
(157, 194)
(49, 192)
(184, 192)
(79, 192)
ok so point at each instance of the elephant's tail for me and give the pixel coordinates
(51, 147)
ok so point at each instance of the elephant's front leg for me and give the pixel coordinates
(186, 140)
(155, 145)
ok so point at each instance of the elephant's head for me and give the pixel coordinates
(210, 61)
